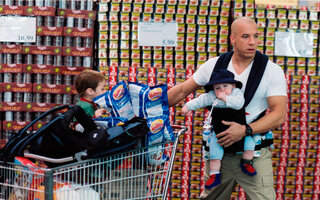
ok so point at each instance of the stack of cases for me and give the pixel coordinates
(271, 19)
(38, 76)
(203, 30)
(295, 158)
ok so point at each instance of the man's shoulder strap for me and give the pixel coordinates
(258, 67)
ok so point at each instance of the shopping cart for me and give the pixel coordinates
(127, 175)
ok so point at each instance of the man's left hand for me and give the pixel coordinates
(233, 134)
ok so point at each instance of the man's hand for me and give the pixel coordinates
(233, 134)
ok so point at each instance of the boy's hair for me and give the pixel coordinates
(87, 79)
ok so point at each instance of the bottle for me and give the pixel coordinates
(206, 131)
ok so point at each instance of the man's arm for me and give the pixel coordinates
(181, 91)
(276, 116)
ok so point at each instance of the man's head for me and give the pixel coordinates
(244, 37)
(90, 84)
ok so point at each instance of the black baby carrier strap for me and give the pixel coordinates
(255, 76)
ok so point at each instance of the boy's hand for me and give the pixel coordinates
(185, 109)
(98, 113)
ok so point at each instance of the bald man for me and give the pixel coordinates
(249, 66)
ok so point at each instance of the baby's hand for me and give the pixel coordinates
(185, 109)
(98, 113)
(222, 96)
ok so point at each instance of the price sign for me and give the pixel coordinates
(293, 44)
(157, 34)
(17, 29)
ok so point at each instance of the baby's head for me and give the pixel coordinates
(223, 88)
(223, 79)
(90, 84)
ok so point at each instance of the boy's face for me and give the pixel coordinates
(101, 88)
(225, 88)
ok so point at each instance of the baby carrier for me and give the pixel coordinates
(57, 139)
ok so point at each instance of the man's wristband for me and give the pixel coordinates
(248, 130)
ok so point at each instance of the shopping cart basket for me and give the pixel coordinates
(127, 175)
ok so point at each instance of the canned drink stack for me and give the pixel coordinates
(17, 97)
(78, 42)
(67, 99)
(39, 21)
(39, 40)
(57, 79)
(27, 97)
(38, 78)
(17, 59)
(68, 41)
(83, 5)
(9, 2)
(18, 78)
(7, 96)
(7, 77)
(48, 59)
(37, 98)
(27, 78)
(30, 3)
(49, 3)
(40, 59)
(18, 116)
(57, 61)
(9, 116)
(73, 5)
(29, 59)
(48, 79)
(58, 21)
(87, 62)
(48, 40)
(47, 98)
(57, 41)
(77, 61)
(68, 80)
(49, 21)
(58, 99)
(63, 4)
(28, 117)
(89, 5)
(8, 58)
(70, 22)
(20, 2)
(68, 61)
(40, 3)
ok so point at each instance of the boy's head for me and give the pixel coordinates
(223, 77)
(90, 84)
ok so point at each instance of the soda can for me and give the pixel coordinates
(88, 42)
(7, 97)
(77, 61)
(39, 40)
(40, 3)
(57, 41)
(1, 95)
(75, 99)
(48, 40)
(83, 5)
(48, 59)
(89, 5)
(8, 58)
(89, 23)
(9, 2)
(28, 117)
(27, 97)
(48, 3)
(68, 61)
(27, 78)
(18, 116)
(38, 78)
(68, 41)
(30, 3)
(87, 62)
(59, 21)
(7, 77)
(17, 97)
(29, 59)
(67, 79)
(37, 98)
(39, 21)
(58, 99)
(62, 4)
(19, 2)
(9, 116)
(70, 22)
(67, 99)
(78, 42)
(40, 59)
(73, 5)
(1, 59)
(18, 78)
(47, 98)
(48, 79)
(80, 23)
(17, 59)
(57, 61)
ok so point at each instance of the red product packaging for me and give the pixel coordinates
(185, 193)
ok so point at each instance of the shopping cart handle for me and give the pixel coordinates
(47, 159)
(182, 130)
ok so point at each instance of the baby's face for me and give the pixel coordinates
(225, 88)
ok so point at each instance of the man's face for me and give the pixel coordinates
(223, 88)
(245, 40)
(101, 88)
